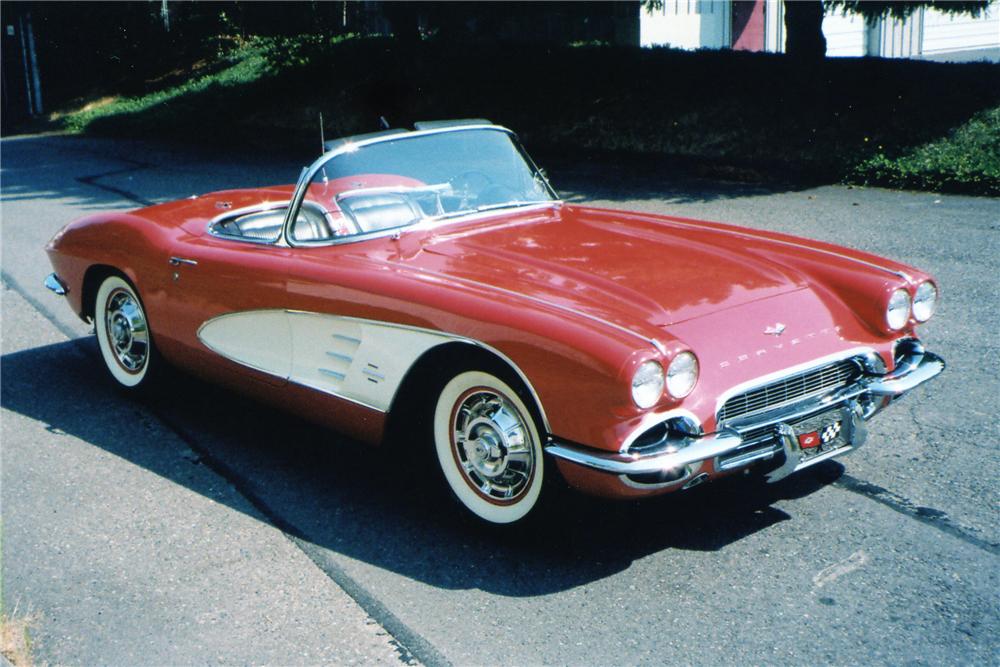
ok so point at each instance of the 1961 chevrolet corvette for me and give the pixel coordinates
(432, 279)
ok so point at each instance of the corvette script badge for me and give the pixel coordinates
(776, 330)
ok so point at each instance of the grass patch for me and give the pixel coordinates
(179, 105)
(15, 639)
(761, 116)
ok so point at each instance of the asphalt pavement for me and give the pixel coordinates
(201, 527)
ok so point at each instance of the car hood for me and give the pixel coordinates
(612, 265)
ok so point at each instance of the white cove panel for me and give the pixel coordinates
(361, 360)
(260, 339)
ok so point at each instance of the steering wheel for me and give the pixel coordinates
(469, 184)
(497, 194)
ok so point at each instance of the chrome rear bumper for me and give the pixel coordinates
(856, 403)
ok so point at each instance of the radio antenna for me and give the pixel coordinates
(322, 141)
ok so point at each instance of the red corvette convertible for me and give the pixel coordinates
(433, 277)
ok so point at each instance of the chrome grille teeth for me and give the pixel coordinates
(790, 389)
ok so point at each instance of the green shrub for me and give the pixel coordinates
(757, 115)
(967, 160)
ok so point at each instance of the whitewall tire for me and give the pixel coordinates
(123, 334)
(488, 447)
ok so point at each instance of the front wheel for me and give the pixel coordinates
(123, 333)
(488, 447)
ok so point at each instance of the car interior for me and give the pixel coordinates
(360, 214)
(373, 213)
(265, 226)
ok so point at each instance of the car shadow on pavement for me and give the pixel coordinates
(366, 503)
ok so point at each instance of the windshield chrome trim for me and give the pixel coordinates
(285, 238)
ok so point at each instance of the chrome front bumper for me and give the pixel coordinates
(857, 402)
(53, 282)
(674, 457)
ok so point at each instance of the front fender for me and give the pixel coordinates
(124, 242)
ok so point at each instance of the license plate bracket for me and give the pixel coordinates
(821, 433)
(830, 433)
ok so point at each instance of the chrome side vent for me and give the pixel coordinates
(337, 361)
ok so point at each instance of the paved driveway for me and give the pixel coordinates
(206, 528)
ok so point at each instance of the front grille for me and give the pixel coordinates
(791, 389)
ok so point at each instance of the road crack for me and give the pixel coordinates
(93, 179)
(925, 515)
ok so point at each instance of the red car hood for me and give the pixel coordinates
(591, 261)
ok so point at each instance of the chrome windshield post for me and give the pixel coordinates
(358, 144)
(305, 176)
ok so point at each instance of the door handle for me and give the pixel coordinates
(177, 261)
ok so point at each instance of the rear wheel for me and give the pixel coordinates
(488, 447)
(123, 333)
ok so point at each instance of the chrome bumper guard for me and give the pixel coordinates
(53, 283)
(856, 402)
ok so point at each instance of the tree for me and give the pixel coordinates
(804, 18)
(804, 29)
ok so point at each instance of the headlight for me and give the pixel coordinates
(925, 301)
(898, 310)
(647, 384)
(682, 375)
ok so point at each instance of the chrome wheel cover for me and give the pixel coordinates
(128, 334)
(491, 443)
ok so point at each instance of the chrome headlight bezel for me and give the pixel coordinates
(924, 301)
(682, 374)
(897, 309)
(648, 382)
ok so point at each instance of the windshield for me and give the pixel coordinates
(400, 182)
